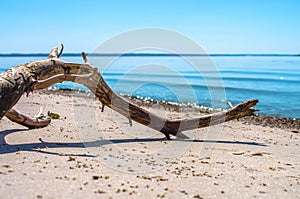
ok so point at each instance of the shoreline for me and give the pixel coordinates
(292, 124)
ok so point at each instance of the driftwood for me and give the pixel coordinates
(44, 73)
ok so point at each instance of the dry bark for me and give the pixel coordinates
(44, 73)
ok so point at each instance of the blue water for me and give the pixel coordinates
(274, 80)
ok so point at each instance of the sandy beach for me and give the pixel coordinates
(93, 154)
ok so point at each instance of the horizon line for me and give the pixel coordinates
(146, 54)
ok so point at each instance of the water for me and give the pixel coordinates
(274, 80)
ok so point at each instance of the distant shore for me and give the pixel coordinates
(146, 55)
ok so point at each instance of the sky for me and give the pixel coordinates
(218, 26)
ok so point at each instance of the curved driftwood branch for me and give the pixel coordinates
(27, 121)
(44, 73)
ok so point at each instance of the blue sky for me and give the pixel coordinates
(219, 26)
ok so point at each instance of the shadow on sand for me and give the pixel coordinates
(35, 147)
